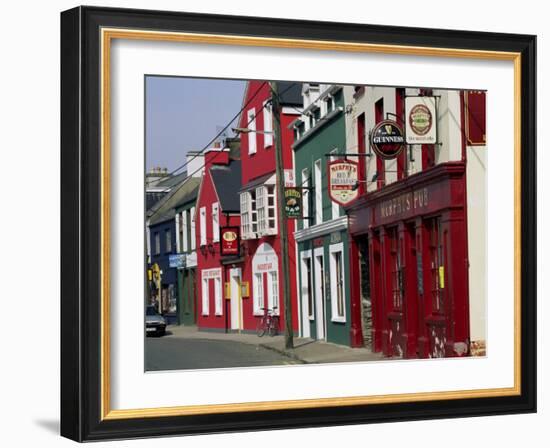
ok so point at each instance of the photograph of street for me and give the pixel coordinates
(292, 222)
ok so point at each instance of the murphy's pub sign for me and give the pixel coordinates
(411, 202)
(387, 139)
(343, 178)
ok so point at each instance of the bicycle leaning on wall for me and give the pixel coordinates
(268, 323)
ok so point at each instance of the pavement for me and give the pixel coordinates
(305, 351)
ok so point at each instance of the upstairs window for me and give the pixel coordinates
(265, 206)
(184, 231)
(305, 197)
(316, 115)
(251, 125)
(192, 229)
(330, 104)
(268, 124)
(179, 232)
(215, 222)
(168, 241)
(249, 222)
(157, 243)
(335, 208)
(318, 193)
(202, 224)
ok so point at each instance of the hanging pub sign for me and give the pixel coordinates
(343, 178)
(230, 240)
(293, 202)
(420, 120)
(474, 102)
(387, 139)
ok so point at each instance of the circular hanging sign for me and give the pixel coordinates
(420, 119)
(387, 139)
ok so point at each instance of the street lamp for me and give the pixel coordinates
(247, 130)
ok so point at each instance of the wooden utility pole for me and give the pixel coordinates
(280, 174)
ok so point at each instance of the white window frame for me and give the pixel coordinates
(148, 238)
(202, 224)
(305, 197)
(167, 241)
(335, 206)
(184, 226)
(307, 255)
(271, 229)
(268, 124)
(251, 125)
(178, 247)
(156, 236)
(253, 215)
(249, 216)
(318, 166)
(193, 228)
(263, 209)
(215, 222)
(218, 300)
(273, 291)
(335, 317)
(205, 297)
(245, 215)
(258, 291)
(320, 291)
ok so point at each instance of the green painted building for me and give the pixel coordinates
(186, 243)
(322, 238)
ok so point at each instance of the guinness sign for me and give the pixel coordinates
(387, 139)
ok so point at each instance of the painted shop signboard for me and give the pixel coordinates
(420, 120)
(474, 102)
(293, 202)
(343, 180)
(177, 261)
(230, 240)
(410, 202)
(387, 139)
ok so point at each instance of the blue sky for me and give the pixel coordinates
(184, 114)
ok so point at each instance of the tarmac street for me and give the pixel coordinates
(172, 353)
(187, 348)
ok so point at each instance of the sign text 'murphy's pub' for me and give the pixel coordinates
(410, 201)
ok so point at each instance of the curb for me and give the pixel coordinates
(284, 352)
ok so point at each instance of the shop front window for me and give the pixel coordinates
(437, 265)
(396, 269)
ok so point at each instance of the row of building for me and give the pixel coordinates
(396, 262)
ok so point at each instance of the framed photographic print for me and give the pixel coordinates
(273, 223)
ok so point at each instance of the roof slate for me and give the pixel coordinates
(290, 93)
(165, 209)
(227, 182)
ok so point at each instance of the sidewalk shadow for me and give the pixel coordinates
(302, 344)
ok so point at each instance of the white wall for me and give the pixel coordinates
(29, 112)
(476, 169)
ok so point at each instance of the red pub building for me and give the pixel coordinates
(261, 268)
(217, 208)
(418, 228)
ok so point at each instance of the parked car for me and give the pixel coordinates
(154, 322)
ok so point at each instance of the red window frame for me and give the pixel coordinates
(396, 269)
